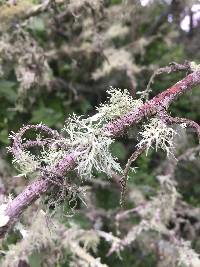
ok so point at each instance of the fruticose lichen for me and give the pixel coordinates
(83, 136)
(157, 133)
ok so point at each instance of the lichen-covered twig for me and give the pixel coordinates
(173, 67)
(166, 118)
(151, 107)
(112, 129)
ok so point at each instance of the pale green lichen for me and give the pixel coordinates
(194, 66)
(119, 103)
(186, 255)
(4, 219)
(91, 146)
(158, 134)
(86, 138)
(26, 164)
(36, 238)
(117, 59)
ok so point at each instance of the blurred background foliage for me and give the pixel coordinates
(62, 61)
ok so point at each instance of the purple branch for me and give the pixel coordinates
(115, 128)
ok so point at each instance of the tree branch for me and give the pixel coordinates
(151, 107)
(113, 129)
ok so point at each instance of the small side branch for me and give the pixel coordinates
(173, 67)
(165, 117)
(124, 178)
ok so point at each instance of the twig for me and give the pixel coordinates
(123, 180)
(176, 120)
(150, 108)
(113, 129)
(172, 68)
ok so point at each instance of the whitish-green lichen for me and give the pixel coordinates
(4, 219)
(85, 137)
(119, 103)
(157, 133)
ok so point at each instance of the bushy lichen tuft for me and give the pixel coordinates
(92, 147)
(157, 133)
(83, 136)
(119, 103)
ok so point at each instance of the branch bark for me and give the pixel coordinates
(113, 129)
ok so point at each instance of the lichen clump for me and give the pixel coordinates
(85, 137)
(4, 219)
(87, 140)
(119, 103)
(157, 133)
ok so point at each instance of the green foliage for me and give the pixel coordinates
(35, 260)
(8, 91)
(47, 116)
(119, 150)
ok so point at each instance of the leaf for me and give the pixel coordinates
(119, 150)
(35, 260)
(85, 106)
(7, 90)
(4, 136)
(47, 116)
